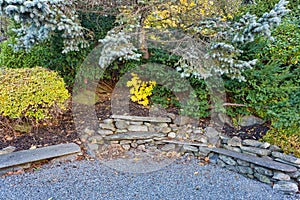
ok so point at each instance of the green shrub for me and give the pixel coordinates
(272, 89)
(33, 93)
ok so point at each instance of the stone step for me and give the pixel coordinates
(135, 136)
(185, 143)
(141, 119)
(33, 155)
(256, 160)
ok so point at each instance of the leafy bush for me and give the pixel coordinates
(35, 93)
(140, 90)
(288, 139)
(272, 89)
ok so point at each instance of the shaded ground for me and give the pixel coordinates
(64, 131)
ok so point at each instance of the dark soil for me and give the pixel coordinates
(64, 131)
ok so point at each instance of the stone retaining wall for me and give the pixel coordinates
(253, 159)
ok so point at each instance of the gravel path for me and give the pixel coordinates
(93, 180)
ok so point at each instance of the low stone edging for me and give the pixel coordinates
(14, 161)
(253, 159)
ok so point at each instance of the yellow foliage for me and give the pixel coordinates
(140, 90)
(184, 13)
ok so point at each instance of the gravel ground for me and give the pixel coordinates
(94, 180)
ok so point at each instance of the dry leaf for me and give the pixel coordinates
(136, 159)
(195, 173)
(32, 147)
(206, 159)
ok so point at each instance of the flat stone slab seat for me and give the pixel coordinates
(256, 160)
(185, 143)
(134, 136)
(33, 155)
(142, 119)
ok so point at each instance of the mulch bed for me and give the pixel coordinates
(64, 130)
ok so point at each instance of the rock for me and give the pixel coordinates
(267, 157)
(105, 132)
(243, 163)
(286, 162)
(244, 170)
(198, 131)
(236, 149)
(157, 111)
(165, 130)
(83, 138)
(262, 178)
(188, 148)
(183, 120)
(198, 138)
(140, 141)
(168, 147)
(250, 120)
(265, 145)
(134, 145)
(135, 123)
(235, 142)
(149, 141)
(162, 125)
(252, 143)
(172, 135)
(263, 171)
(258, 151)
(224, 138)
(108, 121)
(211, 132)
(121, 124)
(288, 158)
(221, 163)
(8, 149)
(294, 174)
(97, 139)
(141, 147)
(93, 147)
(171, 115)
(281, 176)
(137, 128)
(121, 131)
(141, 119)
(107, 126)
(286, 187)
(214, 141)
(225, 119)
(250, 176)
(275, 148)
(147, 124)
(231, 168)
(125, 142)
(204, 151)
(227, 160)
(135, 136)
(89, 131)
(213, 158)
(126, 147)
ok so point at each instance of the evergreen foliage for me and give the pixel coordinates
(38, 18)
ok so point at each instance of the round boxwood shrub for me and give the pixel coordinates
(34, 93)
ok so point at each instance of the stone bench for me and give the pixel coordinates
(142, 119)
(33, 155)
(135, 136)
(264, 162)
